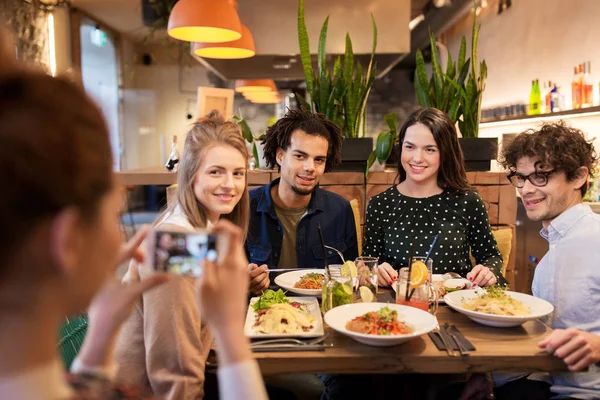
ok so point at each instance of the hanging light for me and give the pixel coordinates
(255, 85)
(209, 21)
(274, 100)
(241, 48)
(260, 95)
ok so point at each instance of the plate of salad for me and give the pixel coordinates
(274, 315)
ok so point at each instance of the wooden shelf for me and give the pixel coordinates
(579, 112)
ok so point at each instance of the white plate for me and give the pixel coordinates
(311, 304)
(289, 279)
(435, 278)
(421, 322)
(538, 307)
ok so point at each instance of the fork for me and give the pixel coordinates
(461, 348)
(439, 333)
(269, 342)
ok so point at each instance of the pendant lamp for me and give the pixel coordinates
(255, 85)
(209, 21)
(241, 48)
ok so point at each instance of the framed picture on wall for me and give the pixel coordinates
(215, 99)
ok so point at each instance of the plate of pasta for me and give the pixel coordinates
(306, 282)
(380, 324)
(497, 307)
(274, 315)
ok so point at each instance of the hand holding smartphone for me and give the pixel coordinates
(179, 251)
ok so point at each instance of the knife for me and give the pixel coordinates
(288, 347)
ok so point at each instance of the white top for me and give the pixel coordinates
(241, 381)
(46, 382)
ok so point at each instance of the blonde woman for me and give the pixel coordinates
(164, 344)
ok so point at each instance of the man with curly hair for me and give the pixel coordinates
(550, 168)
(284, 214)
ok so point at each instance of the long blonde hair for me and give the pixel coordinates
(207, 132)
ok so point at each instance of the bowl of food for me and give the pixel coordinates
(380, 324)
(494, 306)
(307, 282)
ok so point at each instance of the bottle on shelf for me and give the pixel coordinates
(535, 98)
(576, 89)
(557, 99)
(548, 97)
(171, 164)
(587, 92)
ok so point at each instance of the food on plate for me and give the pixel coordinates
(283, 318)
(495, 301)
(445, 286)
(268, 298)
(383, 322)
(312, 280)
(418, 274)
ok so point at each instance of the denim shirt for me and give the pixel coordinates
(333, 212)
(568, 277)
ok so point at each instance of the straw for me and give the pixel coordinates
(410, 257)
(323, 247)
(431, 248)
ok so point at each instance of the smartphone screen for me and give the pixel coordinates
(181, 252)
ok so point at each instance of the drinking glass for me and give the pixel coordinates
(366, 279)
(423, 297)
(337, 290)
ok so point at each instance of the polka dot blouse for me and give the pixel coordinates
(460, 218)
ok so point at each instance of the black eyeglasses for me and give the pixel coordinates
(538, 178)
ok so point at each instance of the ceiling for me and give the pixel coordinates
(125, 16)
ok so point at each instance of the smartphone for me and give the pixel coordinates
(179, 251)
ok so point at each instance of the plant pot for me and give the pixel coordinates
(392, 161)
(355, 153)
(479, 152)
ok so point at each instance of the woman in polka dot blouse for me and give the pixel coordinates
(433, 197)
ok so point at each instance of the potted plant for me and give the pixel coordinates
(458, 92)
(251, 139)
(385, 143)
(341, 93)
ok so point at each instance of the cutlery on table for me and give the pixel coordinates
(437, 331)
(449, 330)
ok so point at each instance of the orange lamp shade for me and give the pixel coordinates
(209, 21)
(260, 95)
(255, 85)
(274, 100)
(241, 48)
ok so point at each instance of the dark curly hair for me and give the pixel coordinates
(279, 134)
(557, 145)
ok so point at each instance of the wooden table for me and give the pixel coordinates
(498, 350)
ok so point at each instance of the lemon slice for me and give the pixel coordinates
(366, 294)
(347, 288)
(418, 274)
(348, 270)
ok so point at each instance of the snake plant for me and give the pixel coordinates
(341, 93)
(447, 91)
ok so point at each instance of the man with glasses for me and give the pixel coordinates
(550, 169)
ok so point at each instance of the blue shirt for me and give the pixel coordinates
(568, 277)
(333, 212)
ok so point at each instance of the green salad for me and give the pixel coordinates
(270, 297)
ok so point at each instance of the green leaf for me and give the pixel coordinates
(462, 53)
(463, 73)
(303, 103)
(383, 146)
(337, 68)
(370, 162)
(255, 154)
(454, 108)
(348, 61)
(421, 81)
(450, 67)
(305, 49)
(322, 56)
(391, 119)
(437, 71)
(370, 67)
(474, 49)
(246, 131)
